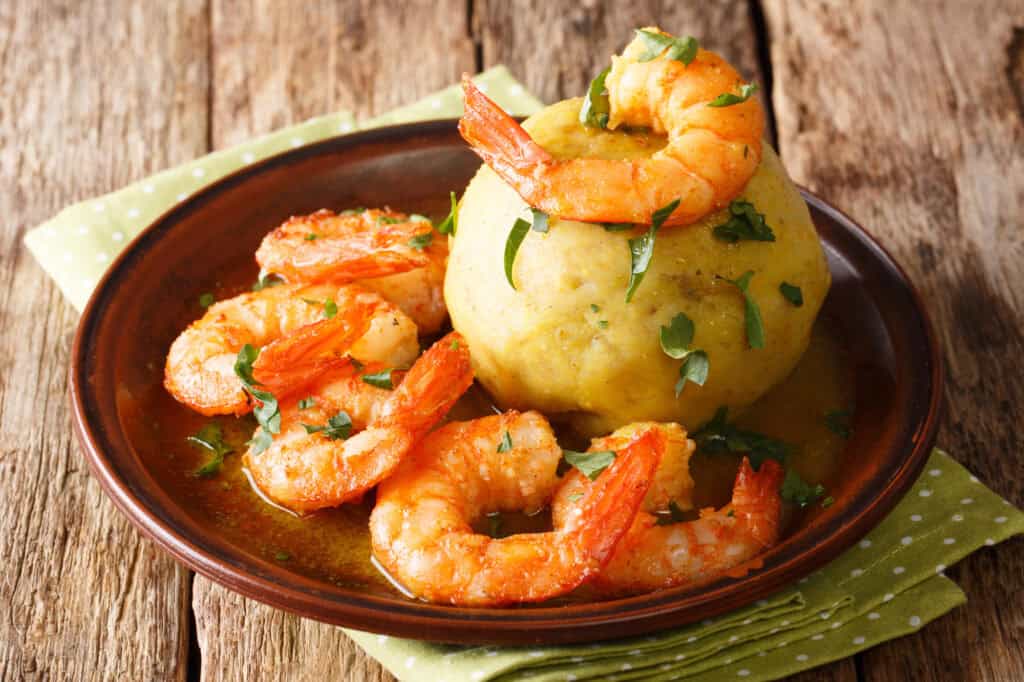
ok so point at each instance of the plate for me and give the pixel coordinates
(140, 302)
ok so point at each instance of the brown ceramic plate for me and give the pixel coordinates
(136, 311)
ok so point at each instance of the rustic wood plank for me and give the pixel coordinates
(366, 57)
(97, 95)
(933, 98)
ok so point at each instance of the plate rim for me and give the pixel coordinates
(555, 624)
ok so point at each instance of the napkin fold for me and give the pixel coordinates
(890, 584)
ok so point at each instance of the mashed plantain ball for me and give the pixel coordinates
(566, 342)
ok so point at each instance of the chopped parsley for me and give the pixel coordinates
(595, 308)
(596, 107)
(798, 491)
(575, 497)
(506, 442)
(641, 249)
(311, 237)
(205, 300)
(266, 281)
(267, 413)
(330, 307)
(838, 422)
(388, 220)
(675, 515)
(515, 239)
(751, 311)
(337, 427)
(603, 324)
(591, 464)
(450, 224)
(306, 403)
(828, 502)
(744, 224)
(381, 379)
(727, 99)
(675, 342)
(792, 293)
(540, 220)
(211, 439)
(422, 241)
(454, 345)
(680, 49)
(282, 556)
(718, 436)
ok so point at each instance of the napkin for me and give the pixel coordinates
(888, 585)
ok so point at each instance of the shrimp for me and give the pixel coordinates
(383, 250)
(420, 528)
(306, 471)
(653, 556)
(200, 364)
(711, 153)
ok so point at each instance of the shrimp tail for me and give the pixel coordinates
(612, 502)
(755, 497)
(496, 137)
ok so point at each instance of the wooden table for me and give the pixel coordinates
(910, 116)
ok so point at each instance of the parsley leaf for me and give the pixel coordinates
(596, 107)
(744, 223)
(828, 502)
(641, 249)
(675, 515)
(792, 293)
(506, 443)
(338, 427)
(515, 239)
(838, 422)
(381, 379)
(330, 308)
(695, 368)
(575, 497)
(718, 436)
(540, 220)
(417, 218)
(727, 99)
(267, 413)
(210, 438)
(243, 364)
(266, 281)
(422, 241)
(311, 237)
(595, 308)
(751, 311)
(206, 300)
(798, 491)
(387, 220)
(306, 403)
(602, 324)
(282, 556)
(591, 464)
(451, 223)
(680, 49)
(676, 337)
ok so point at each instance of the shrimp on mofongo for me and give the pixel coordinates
(324, 321)
(313, 463)
(655, 555)
(420, 528)
(398, 256)
(712, 151)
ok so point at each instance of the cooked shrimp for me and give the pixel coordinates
(400, 258)
(308, 471)
(200, 364)
(653, 556)
(711, 153)
(420, 528)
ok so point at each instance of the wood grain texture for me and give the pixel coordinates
(84, 597)
(913, 122)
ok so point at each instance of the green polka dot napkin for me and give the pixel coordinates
(891, 584)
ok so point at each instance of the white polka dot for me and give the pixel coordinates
(576, 659)
(66, 256)
(974, 479)
(898, 570)
(133, 213)
(925, 493)
(382, 639)
(148, 189)
(948, 541)
(742, 672)
(989, 542)
(515, 90)
(666, 666)
(762, 654)
(626, 666)
(88, 282)
(690, 640)
(198, 172)
(940, 568)
(858, 640)
(83, 229)
(935, 472)
(728, 661)
(478, 675)
(734, 638)
(783, 644)
(836, 624)
(825, 615)
(856, 573)
(906, 540)
(967, 500)
(410, 662)
(117, 236)
(773, 631)
(248, 157)
(345, 127)
(101, 257)
(873, 615)
(183, 196)
(748, 621)
(297, 142)
(915, 517)
(99, 207)
(784, 623)
(51, 231)
(888, 597)
(635, 652)
(492, 652)
(957, 517)
(818, 638)
(680, 657)
(570, 677)
(482, 87)
(914, 621)
(1000, 519)
(864, 544)
(535, 654)
(435, 103)
(801, 657)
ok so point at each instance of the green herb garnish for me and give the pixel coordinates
(311, 237)
(595, 308)
(675, 341)
(450, 224)
(751, 312)
(306, 403)
(641, 249)
(727, 99)
(695, 368)
(838, 422)
(356, 365)
(506, 443)
(267, 413)
(680, 49)
(603, 324)
(792, 293)
(596, 107)
(798, 491)
(210, 438)
(337, 427)
(381, 379)
(718, 436)
(422, 241)
(675, 515)
(454, 345)
(618, 227)
(205, 300)
(575, 497)
(494, 524)
(266, 281)
(540, 220)
(387, 220)
(330, 308)
(591, 464)
(744, 223)
(515, 238)
(828, 502)
(282, 556)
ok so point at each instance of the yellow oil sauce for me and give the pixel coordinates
(334, 545)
